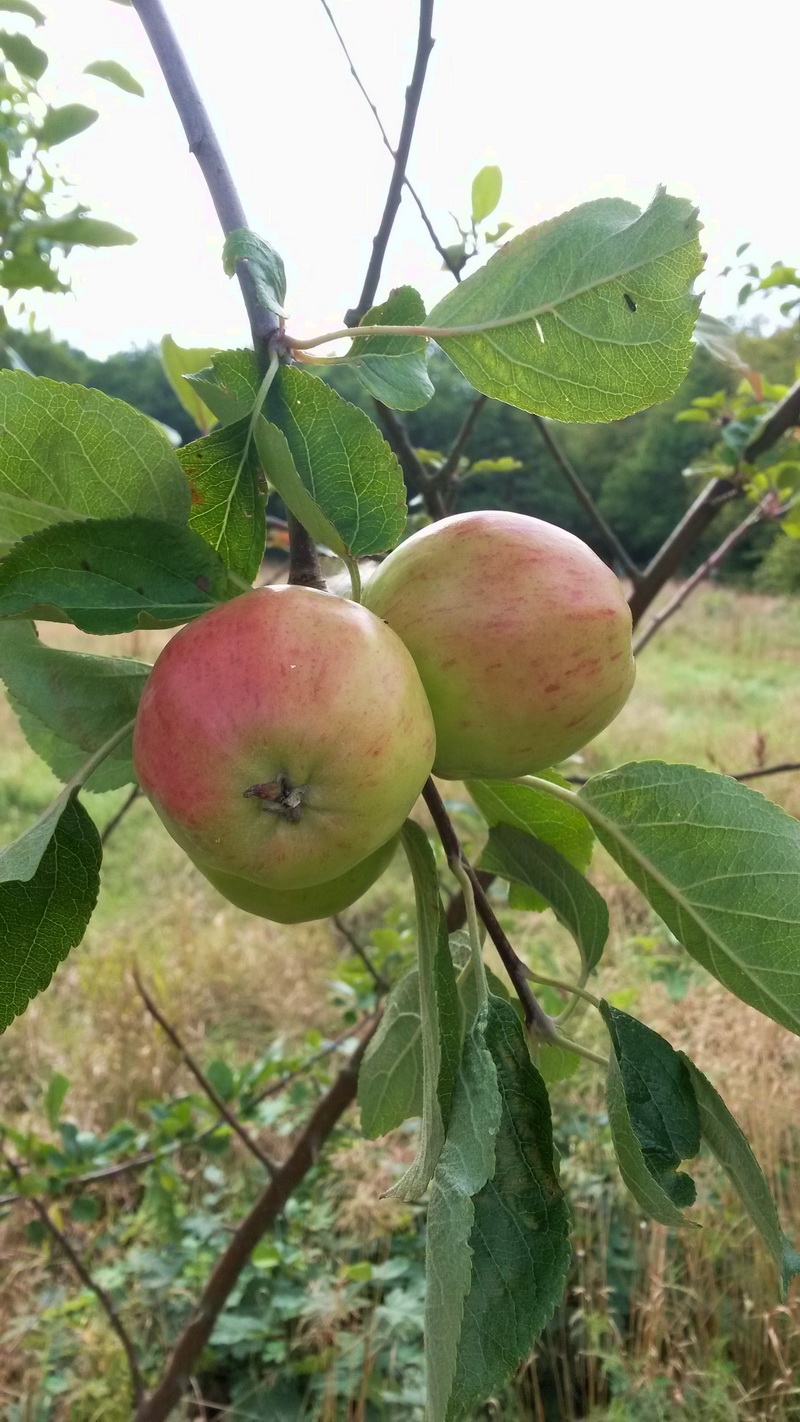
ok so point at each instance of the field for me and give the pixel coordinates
(653, 1326)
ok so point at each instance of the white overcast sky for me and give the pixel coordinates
(574, 101)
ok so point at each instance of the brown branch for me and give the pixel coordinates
(417, 476)
(304, 567)
(456, 912)
(706, 506)
(393, 196)
(451, 267)
(204, 144)
(381, 983)
(197, 1332)
(784, 768)
(699, 575)
(580, 491)
(120, 815)
(104, 1299)
(444, 477)
(535, 1016)
(202, 1080)
(785, 415)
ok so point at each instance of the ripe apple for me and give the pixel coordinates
(301, 905)
(520, 633)
(283, 737)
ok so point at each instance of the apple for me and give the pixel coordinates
(520, 633)
(301, 905)
(283, 737)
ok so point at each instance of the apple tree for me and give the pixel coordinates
(285, 734)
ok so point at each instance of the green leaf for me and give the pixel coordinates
(576, 903)
(466, 1163)
(343, 461)
(85, 1209)
(660, 1101)
(500, 231)
(394, 369)
(633, 1168)
(80, 231)
(23, 54)
(49, 880)
(719, 863)
(573, 348)
(696, 417)
(390, 1078)
(69, 453)
(115, 73)
(520, 1236)
(281, 473)
(71, 703)
(57, 1088)
(112, 575)
(533, 812)
(229, 496)
(264, 263)
(26, 270)
(487, 187)
(65, 122)
(178, 363)
(222, 1079)
(728, 1143)
(440, 1014)
(23, 7)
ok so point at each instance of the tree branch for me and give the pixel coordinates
(202, 1080)
(582, 494)
(456, 912)
(417, 476)
(382, 984)
(197, 1332)
(786, 766)
(120, 815)
(454, 271)
(104, 1299)
(393, 196)
(711, 563)
(708, 503)
(204, 144)
(535, 1017)
(444, 478)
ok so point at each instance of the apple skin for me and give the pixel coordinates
(306, 701)
(302, 905)
(520, 633)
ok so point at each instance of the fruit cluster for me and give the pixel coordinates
(284, 736)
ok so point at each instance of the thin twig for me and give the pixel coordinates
(785, 767)
(104, 1299)
(580, 491)
(535, 1016)
(785, 415)
(414, 471)
(228, 1268)
(393, 196)
(202, 1080)
(381, 983)
(444, 477)
(120, 815)
(700, 574)
(782, 769)
(443, 253)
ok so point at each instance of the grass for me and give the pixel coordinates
(657, 1324)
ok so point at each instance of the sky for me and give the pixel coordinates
(573, 102)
